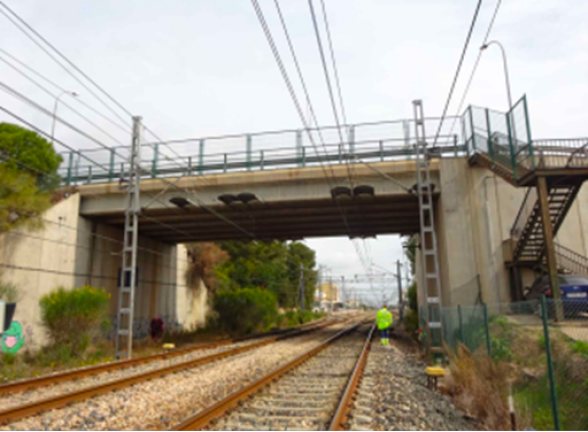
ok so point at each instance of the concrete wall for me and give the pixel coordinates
(474, 216)
(75, 251)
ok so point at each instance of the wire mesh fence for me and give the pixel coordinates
(546, 358)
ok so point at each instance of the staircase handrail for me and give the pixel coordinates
(524, 212)
(579, 260)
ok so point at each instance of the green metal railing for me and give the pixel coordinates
(380, 141)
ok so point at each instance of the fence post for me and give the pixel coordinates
(460, 324)
(549, 365)
(487, 328)
(490, 149)
(513, 158)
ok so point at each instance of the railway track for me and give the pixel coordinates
(312, 392)
(21, 411)
(74, 374)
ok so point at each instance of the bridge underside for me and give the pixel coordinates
(360, 217)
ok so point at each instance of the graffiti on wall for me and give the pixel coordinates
(13, 339)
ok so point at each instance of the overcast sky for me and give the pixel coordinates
(201, 68)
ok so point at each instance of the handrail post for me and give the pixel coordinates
(111, 166)
(529, 138)
(488, 128)
(460, 317)
(465, 138)
(226, 158)
(510, 144)
(69, 168)
(155, 157)
(382, 150)
(351, 139)
(89, 180)
(299, 147)
(189, 166)
(249, 145)
(303, 156)
(472, 129)
(261, 159)
(201, 157)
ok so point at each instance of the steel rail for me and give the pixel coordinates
(340, 417)
(205, 417)
(27, 410)
(47, 380)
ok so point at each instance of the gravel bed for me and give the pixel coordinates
(164, 402)
(393, 395)
(303, 399)
(9, 400)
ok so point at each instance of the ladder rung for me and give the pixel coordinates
(430, 252)
(428, 229)
(432, 299)
(126, 290)
(124, 311)
(123, 332)
(434, 324)
(431, 275)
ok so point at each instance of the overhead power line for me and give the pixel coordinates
(471, 78)
(456, 76)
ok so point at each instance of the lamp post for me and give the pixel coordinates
(64, 92)
(505, 65)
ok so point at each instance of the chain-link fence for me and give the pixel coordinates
(546, 357)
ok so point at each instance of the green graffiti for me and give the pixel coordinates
(13, 339)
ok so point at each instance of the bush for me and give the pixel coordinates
(245, 310)
(73, 317)
(412, 297)
(9, 292)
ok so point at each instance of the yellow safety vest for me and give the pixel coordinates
(384, 319)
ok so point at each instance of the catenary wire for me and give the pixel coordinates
(456, 76)
(471, 78)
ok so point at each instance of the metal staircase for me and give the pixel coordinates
(527, 230)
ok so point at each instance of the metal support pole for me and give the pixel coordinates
(128, 274)
(543, 193)
(552, 387)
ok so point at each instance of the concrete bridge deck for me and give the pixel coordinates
(290, 203)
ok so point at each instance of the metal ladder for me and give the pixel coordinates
(429, 250)
(128, 274)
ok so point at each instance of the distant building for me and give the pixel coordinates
(327, 292)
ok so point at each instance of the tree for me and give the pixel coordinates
(20, 200)
(204, 258)
(23, 150)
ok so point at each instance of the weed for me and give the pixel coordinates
(580, 347)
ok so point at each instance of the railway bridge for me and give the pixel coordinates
(493, 185)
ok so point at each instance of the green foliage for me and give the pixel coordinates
(73, 317)
(412, 297)
(500, 348)
(581, 348)
(9, 292)
(274, 266)
(20, 198)
(245, 310)
(411, 252)
(35, 155)
(293, 318)
(411, 321)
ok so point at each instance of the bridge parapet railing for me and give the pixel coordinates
(504, 137)
(383, 141)
(561, 153)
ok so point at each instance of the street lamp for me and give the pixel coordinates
(64, 92)
(486, 45)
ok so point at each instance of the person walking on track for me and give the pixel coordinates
(384, 321)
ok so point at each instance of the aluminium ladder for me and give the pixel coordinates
(429, 250)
